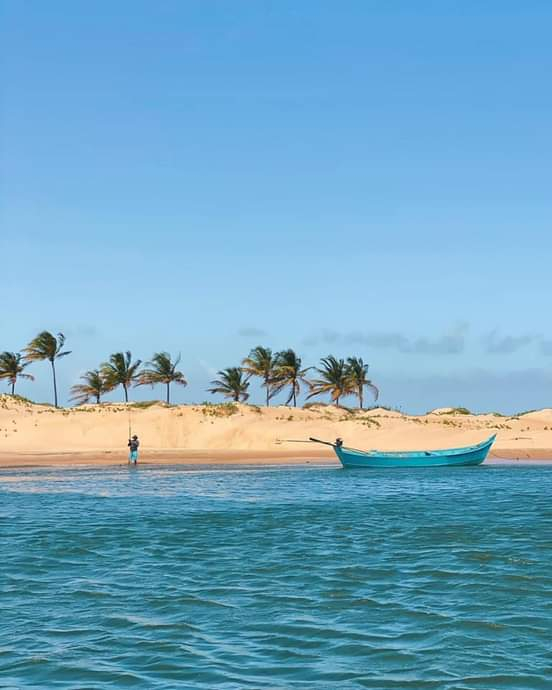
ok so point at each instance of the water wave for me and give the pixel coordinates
(276, 579)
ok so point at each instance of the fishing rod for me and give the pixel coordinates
(129, 421)
(291, 440)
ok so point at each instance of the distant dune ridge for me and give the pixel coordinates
(239, 431)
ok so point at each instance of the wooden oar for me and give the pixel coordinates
(325, 443)
(336, 445)
(300, 440)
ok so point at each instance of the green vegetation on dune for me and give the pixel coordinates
(455, 410)
(144, 404)
(5, 399)
(219, 409)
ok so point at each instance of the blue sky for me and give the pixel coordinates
(367, 178)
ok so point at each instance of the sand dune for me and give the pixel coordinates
(228, 431)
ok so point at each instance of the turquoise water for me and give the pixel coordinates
(276, 578)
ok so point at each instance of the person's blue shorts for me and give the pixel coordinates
(133, 457)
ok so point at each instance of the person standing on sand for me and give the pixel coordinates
(133, 444)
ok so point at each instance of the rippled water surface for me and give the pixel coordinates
(276, 578)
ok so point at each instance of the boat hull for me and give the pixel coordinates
(453, 457)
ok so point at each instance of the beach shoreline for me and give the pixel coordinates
(222, 458)
(237, 434)
(163, 457)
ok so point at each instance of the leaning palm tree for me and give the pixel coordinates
(288, 371)
(120, 370)
(333, 379)
(162, 369)
(47, 346)
(93, 387)
(12, 367)
(357, 374)
(232, 384)
(261, 362)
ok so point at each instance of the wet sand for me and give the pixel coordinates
(204, 458)
(168, 457)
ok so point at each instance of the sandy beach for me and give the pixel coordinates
(40, 435)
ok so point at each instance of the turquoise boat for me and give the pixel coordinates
(451, 457)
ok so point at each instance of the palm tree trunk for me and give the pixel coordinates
(13, 387)
(55, 382)
(294, 396)
(360, 396)
(126, 392)
(97, 398)
(168, 393)
(267, 393)
(337, 401)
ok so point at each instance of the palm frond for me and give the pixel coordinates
(161, 369)
(120, 370)
(357, 375)
(261, 363)
(12, 367)
(231, 383)
(46, 346)
(93, 387)
(288, 371)
(334, 379)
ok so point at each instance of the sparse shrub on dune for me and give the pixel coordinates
(452, 410)
(218, 409)
(145, 404)
(370, 421)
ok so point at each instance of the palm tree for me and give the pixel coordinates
(47, 346)
(260, 362)
(357, 373)
(333, 379)
(232, 384)
(120, 370)
(12, 367)
(162, 369)
(93, 386)
(288, 372)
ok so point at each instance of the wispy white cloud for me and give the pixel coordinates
(81, 330)
(251, 332)
(498, 344)
(477, 389)
(210, 370)
(450, 343)
(545, 347)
